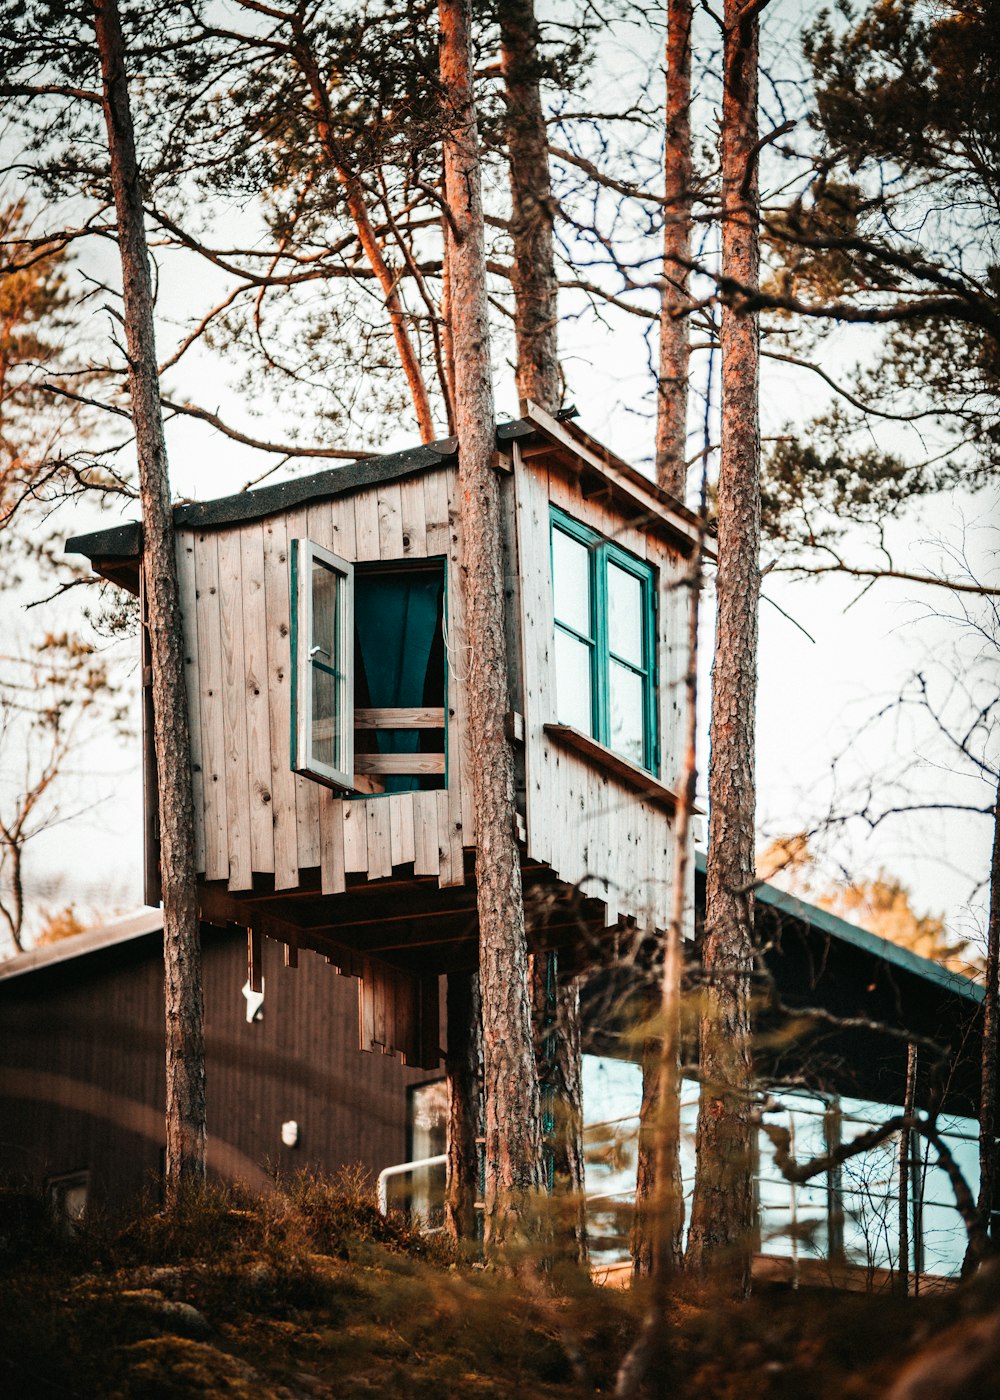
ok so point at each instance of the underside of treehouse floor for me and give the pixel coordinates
(397, 936)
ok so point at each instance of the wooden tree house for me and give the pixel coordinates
(326, 661)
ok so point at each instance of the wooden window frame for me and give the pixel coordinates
(303, 555)
(601, 553)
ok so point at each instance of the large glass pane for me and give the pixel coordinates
(574, 702)
(626, 727)
(325, 716)
(571, 582)
(325, 583)
(625, 615)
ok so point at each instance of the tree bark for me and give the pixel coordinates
(672, 380)
(990, 1062)
(720, 1239)
(556, 1015)
(185, 1056)
(510, 1080)
(533, 272)
(463, 1066)
(658, 1229)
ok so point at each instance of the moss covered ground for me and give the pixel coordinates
(307, 1292)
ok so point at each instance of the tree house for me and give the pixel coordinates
(326, 671)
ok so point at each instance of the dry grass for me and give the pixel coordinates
(307, 1291)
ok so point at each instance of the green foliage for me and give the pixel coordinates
(898, 225)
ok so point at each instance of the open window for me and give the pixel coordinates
(604, 602)
(323, 665)
(370, 675)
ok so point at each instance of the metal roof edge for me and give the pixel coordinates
(124, 930)
(862, 939)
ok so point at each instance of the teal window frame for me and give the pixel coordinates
(601, 553)
(306, 658)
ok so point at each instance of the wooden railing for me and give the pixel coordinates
(406, 764)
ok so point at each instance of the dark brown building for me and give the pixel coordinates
(82, 1080)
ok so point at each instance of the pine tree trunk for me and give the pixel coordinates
(463, 1067)
(672, 380)
(510, 1080)
(185, 1057)
(720, 1239)
(555, 1006)
(532, 209)
(989, 1120)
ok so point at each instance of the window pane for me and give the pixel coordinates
(326, 667)
(625, 705)
(625, 615)
(574, 704)
(571, 582)
(325, 717)
(325, 583)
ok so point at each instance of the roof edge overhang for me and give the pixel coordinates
(114, 553)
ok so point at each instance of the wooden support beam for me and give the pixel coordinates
(406, 764)
(255, 960)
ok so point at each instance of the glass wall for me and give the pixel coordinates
(850, 1215)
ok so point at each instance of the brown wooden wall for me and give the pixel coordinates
(593, 828)
(81, 1070)
(252, 814)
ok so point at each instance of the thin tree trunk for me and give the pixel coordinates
(556, 1014)
(672, 380)
(903, 1163)
(990, 1062)
(722, 1215)
(658, 1241)
(463, 1067)
(532, 209)
(185, 1057)
(510, 1080)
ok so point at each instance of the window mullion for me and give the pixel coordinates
(599, 594)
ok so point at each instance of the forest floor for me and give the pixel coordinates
(308, 1292)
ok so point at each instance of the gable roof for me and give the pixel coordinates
(114, 553)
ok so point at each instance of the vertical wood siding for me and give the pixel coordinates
(591, 828)
(252, 814)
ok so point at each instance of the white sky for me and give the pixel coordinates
(815, 695)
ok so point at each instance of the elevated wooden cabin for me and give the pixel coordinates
(326, 661)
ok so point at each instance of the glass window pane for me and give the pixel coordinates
(325, 584)
(571, 582)
(626, 728)
(325, 717)
(574, 704)
(625, 615)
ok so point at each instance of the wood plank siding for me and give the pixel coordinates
(81, 1070)
(265, 832)
(589, 825)
(253, 815)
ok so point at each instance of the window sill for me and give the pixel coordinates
(627, 772)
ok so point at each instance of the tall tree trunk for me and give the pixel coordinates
(989, 1185)
(532, 208)
(555, 1002)
(510, 1080)
(538, 379)
(658, 1231)
(672, 380)
(185, 1059)
(463, 1067)
(722, 1215)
